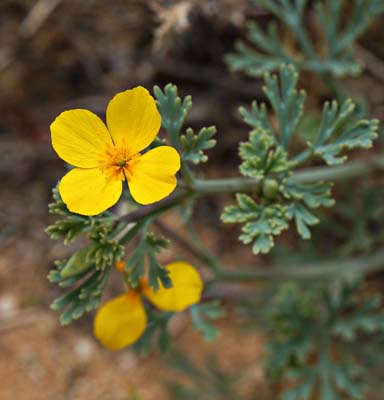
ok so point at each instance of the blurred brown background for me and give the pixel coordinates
(57, 55)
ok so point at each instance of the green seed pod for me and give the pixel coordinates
(76, 264)
(270, 188)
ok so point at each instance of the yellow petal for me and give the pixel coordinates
(133, 119)
(153, 175)
(120, 321)
(186, 288)
(87, 192)
(79, 137)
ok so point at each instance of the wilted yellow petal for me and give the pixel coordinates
(186, 289)
(133, 119)
(79, 137)
(153, 175)
(120, 321)
(88, 192)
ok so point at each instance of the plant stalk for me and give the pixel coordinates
(320, 270)
(200, 187)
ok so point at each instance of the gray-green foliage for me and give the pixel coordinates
(267, 157)
(208, 380)
(71, 225)
(84, 297)
(146, 250)
(86, 272)
(262, 222)
(156, 335)
(311, 333)
(302, 199)
(365, 233)
(341, 23)
(341, 130)
(202, 314)
(195, 144)
(173, 112)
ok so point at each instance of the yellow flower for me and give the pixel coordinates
(104, 157)
(122, 320)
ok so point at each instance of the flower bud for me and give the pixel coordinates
(77, 264)
(270, 188)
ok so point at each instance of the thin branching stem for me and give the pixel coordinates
(320, 270)
(191, 246)
(200, 187)
(352, 169)
(158, 208)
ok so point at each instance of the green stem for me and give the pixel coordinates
(302, 38)
(321, 270)
(130, 233)
(301, 158)
(229, 185)
(352, 169)
(158, 208)
(188, 176)
(192, 246)
(200, 187)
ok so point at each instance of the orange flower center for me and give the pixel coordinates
(117, 163)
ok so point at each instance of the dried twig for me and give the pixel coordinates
(37, 16)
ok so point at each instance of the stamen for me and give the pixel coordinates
(117, 163)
